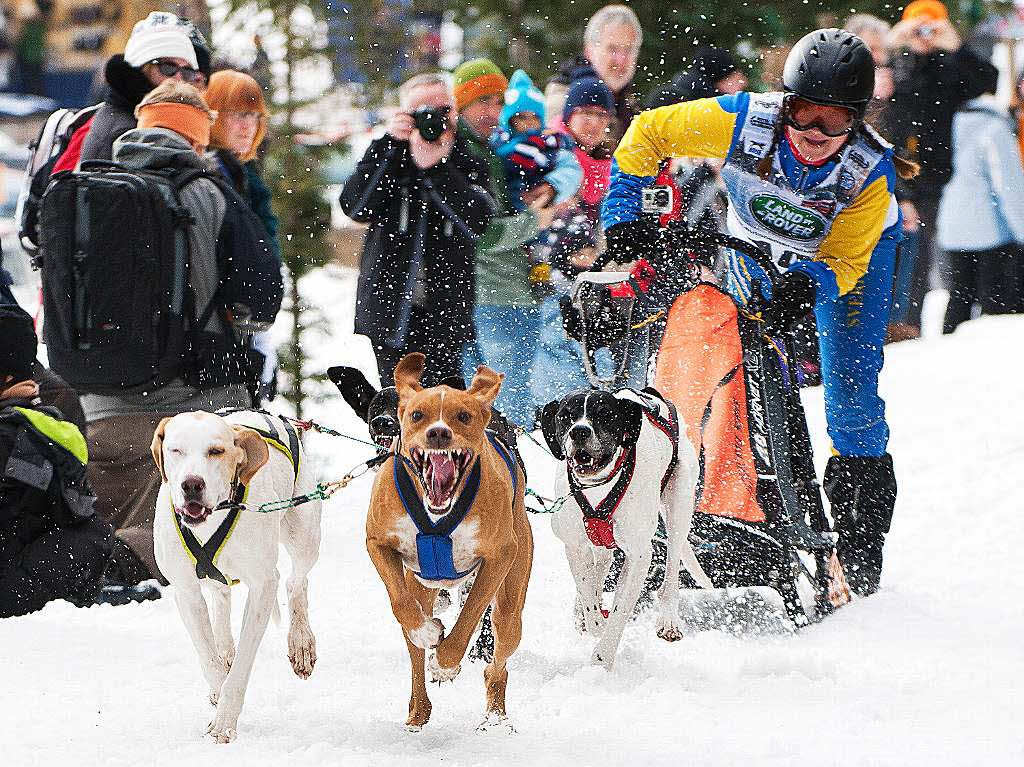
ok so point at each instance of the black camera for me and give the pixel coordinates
(431, 122)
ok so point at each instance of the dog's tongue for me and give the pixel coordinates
(442, 478)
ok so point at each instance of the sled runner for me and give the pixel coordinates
(759, 518)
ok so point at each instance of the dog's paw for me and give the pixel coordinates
(428, 635)
(442, 601)
(439, 673)
(603, 656)
(670, 630)
(221, 734)
(495, 722)
(301, 651)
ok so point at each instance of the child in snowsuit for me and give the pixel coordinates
(537, 165)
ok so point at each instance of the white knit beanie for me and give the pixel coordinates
(159, 36)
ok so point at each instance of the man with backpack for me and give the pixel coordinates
(161, 47)
(155, 273)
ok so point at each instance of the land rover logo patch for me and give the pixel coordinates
(787, 219)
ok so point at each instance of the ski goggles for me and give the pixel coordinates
(170, 69)
(833, 121)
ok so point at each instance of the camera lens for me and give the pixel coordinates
(431, 122)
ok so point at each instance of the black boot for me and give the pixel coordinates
(127, 579)
(863, 493)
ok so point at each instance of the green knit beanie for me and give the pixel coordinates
(476, 78)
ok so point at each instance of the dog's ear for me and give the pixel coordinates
(485, 385)
(256, 453)
(156, 447)
(354, 388)
(549, 428)
(408, 373)
(632, 415)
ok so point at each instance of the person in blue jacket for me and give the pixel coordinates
(811, 182)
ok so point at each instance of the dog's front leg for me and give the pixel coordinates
(589, 586)
(452, 648)
(192, 608)
(258, 608)
(220, 597)
(421, 628)
(627, 593)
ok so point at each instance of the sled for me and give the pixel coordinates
(759, 519)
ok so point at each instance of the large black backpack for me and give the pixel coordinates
(114, 248)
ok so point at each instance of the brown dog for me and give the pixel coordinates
(450, 505)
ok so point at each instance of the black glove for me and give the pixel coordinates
(792, 298)
(631, 240)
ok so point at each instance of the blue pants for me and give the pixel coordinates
(900, 309)
(558, 367)
(851, 331)
(506, 341)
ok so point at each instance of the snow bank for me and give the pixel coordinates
(926, 672)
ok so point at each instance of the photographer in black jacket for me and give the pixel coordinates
(424, 197)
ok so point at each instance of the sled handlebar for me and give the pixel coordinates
(679, 236)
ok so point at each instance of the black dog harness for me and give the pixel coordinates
(434, 541)
(204, 555)
(598, 521)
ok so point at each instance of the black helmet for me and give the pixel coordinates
(832, 67)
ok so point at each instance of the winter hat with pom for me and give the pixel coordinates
(159, 36)
(588, 92)
(522, 96)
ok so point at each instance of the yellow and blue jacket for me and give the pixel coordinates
(823, 220)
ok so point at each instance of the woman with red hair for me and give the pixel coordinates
(235, 138)
(234, 141)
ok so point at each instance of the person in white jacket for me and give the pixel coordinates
(981, 216)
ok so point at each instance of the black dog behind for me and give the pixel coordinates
(379, 409)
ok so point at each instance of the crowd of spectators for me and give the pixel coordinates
(482, 200)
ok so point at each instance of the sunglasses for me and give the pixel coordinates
(170, 69)
(833, 122)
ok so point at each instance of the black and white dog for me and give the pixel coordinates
(626, 469)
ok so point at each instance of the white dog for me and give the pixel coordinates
(625, 463)
(206, 462)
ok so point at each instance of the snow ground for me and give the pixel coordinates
(927, 672)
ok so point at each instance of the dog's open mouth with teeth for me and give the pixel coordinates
(586, 464)
(440, 472)
(193, 512)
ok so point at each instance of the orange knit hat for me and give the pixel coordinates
(191, 122)
(231, 91)
(926, 10)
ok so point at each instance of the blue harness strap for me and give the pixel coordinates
(434, 542)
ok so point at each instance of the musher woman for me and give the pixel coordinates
(810, 181)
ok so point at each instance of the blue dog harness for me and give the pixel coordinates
(434, 541)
